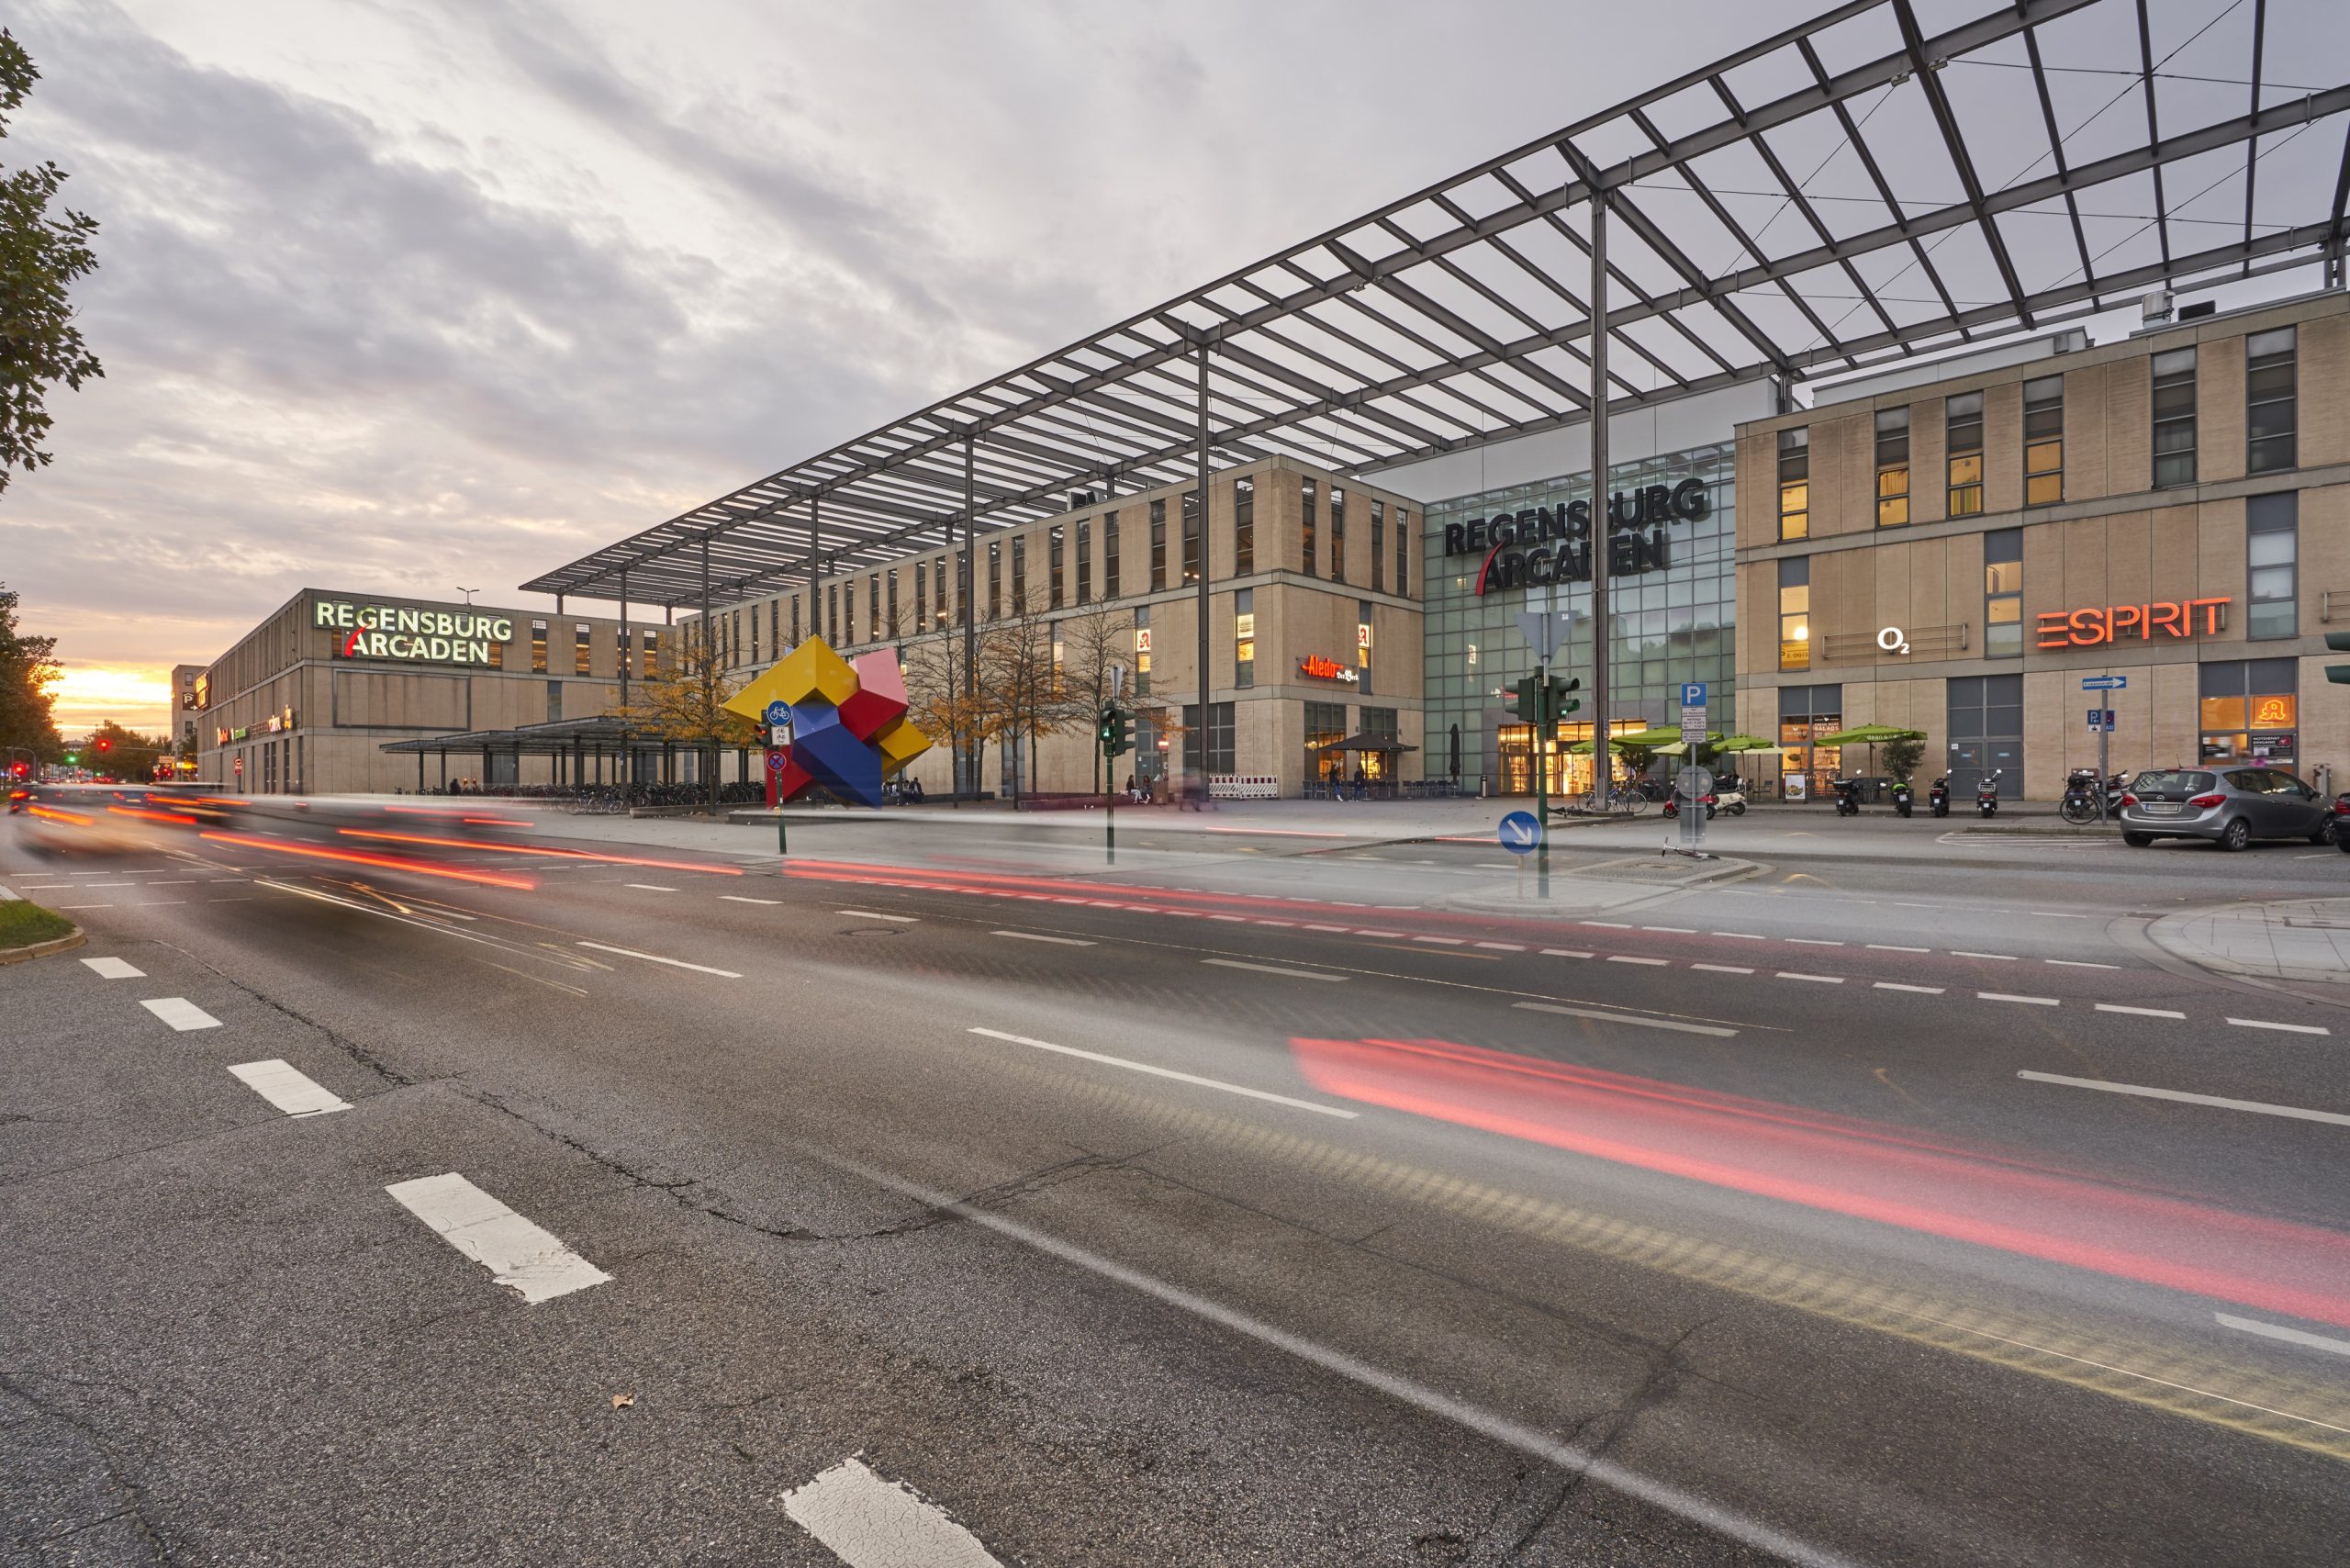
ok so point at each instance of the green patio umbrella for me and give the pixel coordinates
(1869, 735)
(1745, 743)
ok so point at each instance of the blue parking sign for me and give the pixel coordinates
(1692, 694)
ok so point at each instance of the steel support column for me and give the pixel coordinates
(1207, 686)
(969, 575)
(625, 650)
(1603, 758)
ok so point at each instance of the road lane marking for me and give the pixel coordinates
(2278, 1331)
(1921, 989)
(83, 906)
(1505, 947)
(1821, 980)
(1673, 930)
(1388, 934)
(650, 888)
(286, 1089)
(2079, 964)
(1675, 1024)
(114, 968)
(1744, 936)
(2139, 1012)
(1252, 923)
(2058, 915)
(658, 958)
(1040, 936)
(1813, 942)
(1500, 1429)
(1889, 947)
(1271, 969)
(1337, 928)
(2003, 957)
(1444, 941)
(1340, 1112)
(868, 1522)
(1563, 953)
(1723, 969)
(1607, 924)
(518, 1254)
(2286, 1029)
(2262, 1106)
(1631, 959)
(738, 898)
(181, 1013)
(2028, 1001)
(870, 915)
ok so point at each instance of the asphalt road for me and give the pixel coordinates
(1252, 1202)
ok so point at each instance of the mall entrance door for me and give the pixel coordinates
(1986, 730)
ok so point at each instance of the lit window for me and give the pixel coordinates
(2043, 442)
(1962, 427)
(1243, 637)
(1795, 483)
(1244, 527)
(1795, 613)
(1892, 467)
(2003, 593)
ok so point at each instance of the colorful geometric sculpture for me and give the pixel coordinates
(849, 729)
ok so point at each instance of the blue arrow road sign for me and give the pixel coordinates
(777, 714)
(1692, 694)
(1520, 833)
(2105, 682)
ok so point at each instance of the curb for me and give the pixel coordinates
(1640, 889)
(43, 950)
(2166, 934)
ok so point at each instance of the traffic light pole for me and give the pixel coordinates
(1544, 731)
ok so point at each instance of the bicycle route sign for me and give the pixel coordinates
(778, 715)
(1520, 833)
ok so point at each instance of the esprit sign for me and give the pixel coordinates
(1543, 544)
(2092, 626)
(404, 632)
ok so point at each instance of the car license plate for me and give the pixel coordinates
(2159, 809)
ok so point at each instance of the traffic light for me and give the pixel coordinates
(105, 742)
(73, 758)
(1522, 703)
(1118, 729)
(2340, 643)
(1562, 698)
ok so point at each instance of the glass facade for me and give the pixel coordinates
(1671, 623)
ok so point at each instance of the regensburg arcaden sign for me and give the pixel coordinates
(1545, 544)
(404, 632)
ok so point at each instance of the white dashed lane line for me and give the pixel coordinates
(2281, 1028)
(1340, 1112)
(868, 1522)
(2221, 1102)
(1271, 970)
(286, 1089)
(2139, 1012)
(180, 1012)
(114, 968)
(518, 1254)
(738, 898)
(2028, 1001)
(1822, 979)
(649, 888)
(1723, 969)
(658, 958)
(1631, 959)
(2002, 958)
(1040, 936)
(2278, 1331)
(1602, 1015)
(869, 914)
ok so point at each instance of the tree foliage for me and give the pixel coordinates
(682, 704)
(28, 668)
(41, 257)
(1902, 757)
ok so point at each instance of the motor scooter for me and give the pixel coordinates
(1987, 794)
(1938, 797)
(1902, 798)
(1732, 798)
(1848, 796)
(1713, 805)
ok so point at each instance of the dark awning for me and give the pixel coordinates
(1366, 741)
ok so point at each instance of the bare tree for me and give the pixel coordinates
(683, 703)
(944, 703)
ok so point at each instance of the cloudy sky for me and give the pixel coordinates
(399, 295)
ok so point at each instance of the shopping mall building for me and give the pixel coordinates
(1833, 501)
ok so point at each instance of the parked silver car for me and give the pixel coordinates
(2230, 806)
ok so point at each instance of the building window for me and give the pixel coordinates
(1085, 562)
(1244, 527)
(1218, 737)
(2250, 712)
(1403, 552)
(1020, 575)
(1795, 612)
(1244, 638)
(583, 650)
(651, 656)
(1190, 536)
(1363, 644)
(775, 626)
(833, 613)
(2270, 412)
(848, 615)
(2003, 593)
(1892, 467)
(921, 596)
(1157, 545)
(2043, 442)
(995, 578)
(1306, 497)
(538, 648)
(2271, 551)
(1109, 554)
(795, 620)
(1795, 483)
(2173, 375)
(1378, 546)
(1807, 712)
(1054, 565)
(554, 701)
(1963, 433)
(1325, 726)
(893, 604)
(1337, 535)
(1142, 650)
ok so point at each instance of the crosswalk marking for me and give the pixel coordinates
(286, 1089)
(869, 1522)
(180, 1012)
(518, 1254)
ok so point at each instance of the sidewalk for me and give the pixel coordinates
(2292, 939)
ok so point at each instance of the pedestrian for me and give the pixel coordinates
(1359, 793)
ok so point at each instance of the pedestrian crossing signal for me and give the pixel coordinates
(1118, 729)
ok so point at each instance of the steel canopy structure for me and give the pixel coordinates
(1892, 178)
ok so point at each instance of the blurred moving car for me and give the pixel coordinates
(2230, 806)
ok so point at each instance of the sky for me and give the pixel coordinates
(398, 296)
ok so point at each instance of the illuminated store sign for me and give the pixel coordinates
(2092, 626)
(1545, 544)
(1321, 669)
(404, 632)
